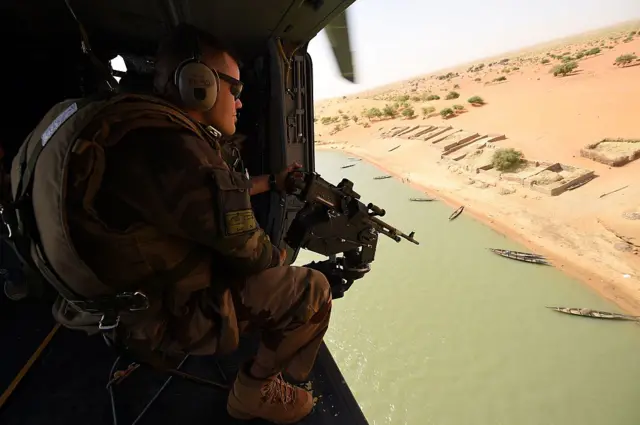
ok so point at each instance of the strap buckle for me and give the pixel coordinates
(110, 307)
(109, 320)
(139, 300)
(6, 221)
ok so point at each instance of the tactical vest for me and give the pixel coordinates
(36, 222)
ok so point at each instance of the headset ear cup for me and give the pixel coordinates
(197, 85)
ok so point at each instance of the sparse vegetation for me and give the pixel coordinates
(372, 113)
(452, 95)
(477, 79)
(337, 128)
(433, 97)
(593, 51)
(427, 110)
(408, 113)
(545, 61)
(476, 68)
(389, 111)
(503, 78)
(448, 76)
(564, 68)
(458, 107)
(329, 120)
(447, 113)
(507, 159)
(476, 100)
(625, 59)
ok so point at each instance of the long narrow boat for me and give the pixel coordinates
(381, 177)
(587, 312)
(579, 184)
(521, 256)
(348, 166)
(422, 199)
(456, 213)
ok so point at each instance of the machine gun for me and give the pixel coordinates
(334, 221)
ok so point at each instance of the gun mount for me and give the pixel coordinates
(334, 221)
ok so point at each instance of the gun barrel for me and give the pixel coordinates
(392, 232)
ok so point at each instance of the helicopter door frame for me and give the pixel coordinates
(291, 134)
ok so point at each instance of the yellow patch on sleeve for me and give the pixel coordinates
(238, 222)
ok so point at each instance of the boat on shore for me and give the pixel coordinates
(521, 256)
(422, 199)
(587, 312)
(456, 213)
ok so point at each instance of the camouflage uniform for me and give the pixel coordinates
(140, 200)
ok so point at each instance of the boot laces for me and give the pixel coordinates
(277, 390)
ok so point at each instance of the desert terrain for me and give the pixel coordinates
(543, 145)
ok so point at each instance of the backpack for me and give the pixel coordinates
(34, 220)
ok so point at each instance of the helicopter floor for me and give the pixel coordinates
(67, 382)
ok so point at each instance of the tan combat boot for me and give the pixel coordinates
(272, 399)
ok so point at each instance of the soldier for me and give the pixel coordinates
(143, 198)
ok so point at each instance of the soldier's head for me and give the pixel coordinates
(208, 88)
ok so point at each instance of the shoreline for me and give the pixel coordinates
(561, 258)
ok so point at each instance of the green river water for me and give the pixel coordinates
(448, 333)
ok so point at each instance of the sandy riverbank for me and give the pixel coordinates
(549, 119)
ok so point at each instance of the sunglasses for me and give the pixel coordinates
(235, 86)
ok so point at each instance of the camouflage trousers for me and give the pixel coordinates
(291, 307)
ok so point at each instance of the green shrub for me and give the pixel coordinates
(389, 111)
(625, 59)
(507, 159)
(446, 113)
(408, 112)
(428, 110)
(452, 95)
(564, 68)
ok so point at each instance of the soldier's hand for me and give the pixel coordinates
(283, 256)
(281, 177)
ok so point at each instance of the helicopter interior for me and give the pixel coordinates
(43, 63)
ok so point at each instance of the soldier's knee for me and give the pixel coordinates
(320, 285)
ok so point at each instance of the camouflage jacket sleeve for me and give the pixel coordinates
(181, 184)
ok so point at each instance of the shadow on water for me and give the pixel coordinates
(449, 333)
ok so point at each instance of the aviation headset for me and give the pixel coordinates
(197, 84)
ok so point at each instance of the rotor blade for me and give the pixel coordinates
(338, 34)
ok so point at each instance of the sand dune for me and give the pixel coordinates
(555, 121)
